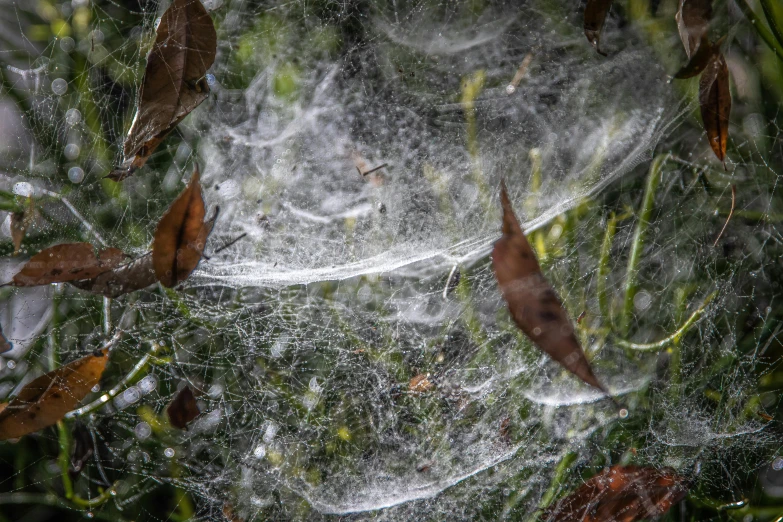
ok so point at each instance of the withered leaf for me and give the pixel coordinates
(20, 222)
(67, 262)
(82, 449)
(420, 383)
(698, 61)
(715, 103)
(121, 280)
(180, 236)
(45, 400)
(621, 494)
(693, 21)
(174, 80)
(5, 345)
(595, 16)
(532, 301)
(183, 408)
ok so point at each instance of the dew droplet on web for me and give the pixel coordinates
(148, 384)
(510, 89)
(71, 151)
(259, 451)
(73, 116)
(314, 386)
(623, 413)
(131, 395)
(59, 86)
(642, 301)
(169, 452)
(157, 23)
(11, 365)
(76, 174)
(211, 80)
(23, 189)
(142, 430)
(271, 431)
(777, 464)
(96, 388)
(67, 44)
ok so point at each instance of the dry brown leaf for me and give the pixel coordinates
(20, 222)
(532, 301)
(621, 494)
(595, 16)
(693, 21)
(121, 280)
(180, 236)
(715, 104)
(698, 61)
(183, 409)
(45, 400)
(420, 383)
(67, 262)
(174, 80)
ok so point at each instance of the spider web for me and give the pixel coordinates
(302, 338)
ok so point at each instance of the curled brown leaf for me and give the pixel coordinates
(121, 280)
(183, 408)
(693, 21)
(45, 400)
(67, 262)
(715, 104)
(174, 80)
(595, 17)
(532, 301)
(181, 236)
(621, 494)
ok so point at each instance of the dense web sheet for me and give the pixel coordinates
(302, 339)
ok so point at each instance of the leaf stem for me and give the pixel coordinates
(637, 246)
(762, 31)
(603, 268)
(673, 338)
(140, 366)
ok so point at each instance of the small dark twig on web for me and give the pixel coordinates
(382, 166)
(731, 212)
(230, 243)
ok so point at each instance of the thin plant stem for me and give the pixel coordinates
(673, 338)
(761, 29)
(603, 268)
(140, 366)
(769, 12)
(637, 245)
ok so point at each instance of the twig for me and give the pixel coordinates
(511, 87)
(230, 243)
(731, 213)
(379, 167)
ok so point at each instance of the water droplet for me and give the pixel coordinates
(89, 514)
(72, 151)
(131, 395)
(148, 384)
(642, 301)
(623, 413)
(777, 464)
(157, 23)
(59, 86)
(96, 388)
(211, 80)
(510, 89)
(142, 430)
(259, 451)
(271, 431)
(23, 189)
(314, 386)
(73, 116)
(67, 44)
(11, 365)
(169, 452)
(76, 174)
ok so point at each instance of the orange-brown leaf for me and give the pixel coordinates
(532, 301)
(693, 21)
(45, 400)
(698, 61)
(180, 236)
(621, 494)
(67, 262)
(183, 408)
(715, 104)
(595, 16)
(174, 80)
